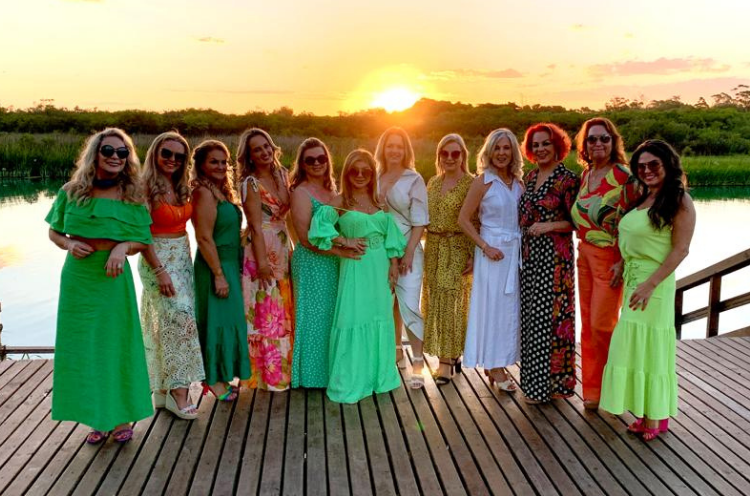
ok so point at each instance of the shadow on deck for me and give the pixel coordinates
(464, 438)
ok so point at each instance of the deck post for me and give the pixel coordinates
(678, 313)
(714, 302)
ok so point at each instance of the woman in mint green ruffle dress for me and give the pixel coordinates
(362, 358)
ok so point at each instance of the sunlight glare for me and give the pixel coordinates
(395, 99)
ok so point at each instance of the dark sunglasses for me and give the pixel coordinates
(653, 166)
(604, 138)
(109, 150)
(167, 154)
(321, 159)
(366, 173)
(455, 154)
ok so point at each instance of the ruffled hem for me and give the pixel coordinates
(225, 363)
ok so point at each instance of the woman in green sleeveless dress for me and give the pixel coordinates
(218, 292)
(100, 377)
(315, 273)
(362, 350)
(654, 238)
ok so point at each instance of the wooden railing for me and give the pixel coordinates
(21, 350)
(712, 276)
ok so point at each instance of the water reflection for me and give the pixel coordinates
(30, 264)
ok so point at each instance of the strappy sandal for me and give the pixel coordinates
(96, 437)
(123, 435)
(637, 426)
(508, 385)
(416, 381)
(187, 413)
(229, 395)
(651, 433)
(442, 380)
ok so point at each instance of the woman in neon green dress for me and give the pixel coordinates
(99, 217)
(362, 349)
(654, 238)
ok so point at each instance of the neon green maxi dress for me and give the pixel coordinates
(640, 373)
(362, 347)
(100, 377)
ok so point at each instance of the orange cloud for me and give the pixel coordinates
(211, 39)
(660, 66)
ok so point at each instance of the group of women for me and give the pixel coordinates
(493, 283)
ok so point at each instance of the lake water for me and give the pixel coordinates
(30, 264)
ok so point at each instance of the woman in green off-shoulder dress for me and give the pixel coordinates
(100, 377)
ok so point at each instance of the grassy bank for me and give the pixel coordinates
(53, 155)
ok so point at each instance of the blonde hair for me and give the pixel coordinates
(445, 141)
(484, 157)
(359, 155)
(82, 181)
(382, 165)
(200, 154)
(298, 175)
(153, 181)
(246, 167)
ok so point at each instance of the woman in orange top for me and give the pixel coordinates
(170, 334)
(608, 191)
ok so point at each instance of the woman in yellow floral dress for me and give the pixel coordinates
(266, 281)
(447, 258)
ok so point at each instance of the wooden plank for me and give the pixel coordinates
(359, 470)
(273, 458)
(336, 449)
(729, 374)
(160, 474)
(380, 468)
(252, 458)
(740, 345)
(5, 365)
(67, 452)
(472, 440)
(740, 415)
(149, 452)
(205, 470)
(182, 473)
(49, 444)
(76, 469)
(19, 382)
(315, 461)
(294, 456)
(513, 437)
(231, 456)
(401, 465)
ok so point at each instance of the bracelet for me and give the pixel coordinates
(159, 270)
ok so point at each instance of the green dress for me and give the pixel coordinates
(221, 321)
(100, 377)
(362, 349)
(315, 280)
(640, 373)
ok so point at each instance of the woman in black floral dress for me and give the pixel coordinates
(547, 273)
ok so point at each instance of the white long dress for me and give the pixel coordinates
(493, 334)
(407, 202)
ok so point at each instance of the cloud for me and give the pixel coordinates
(579, 27)
(211, 39)
(84, 1)
(231, 91)
(552, 67)
(471, 74)
(660, 66)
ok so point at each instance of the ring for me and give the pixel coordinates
(119, 266)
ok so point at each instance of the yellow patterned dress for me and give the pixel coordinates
(445, 292)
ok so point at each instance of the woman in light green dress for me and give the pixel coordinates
(654, 238)
(362, 358)
(99, 217)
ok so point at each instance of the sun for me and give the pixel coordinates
(395, 99)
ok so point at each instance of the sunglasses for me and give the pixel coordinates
(109, 150)
(652, 166)
(167, 154)
(365, 173)
(604, 138)
(455, 154)
(320, 159)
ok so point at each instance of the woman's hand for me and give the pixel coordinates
(393, 274)
(469, 269)
(493, 253)
(165, 284)
(405, 264)
(79, 249)
(221, 286)
(265, 277)
(616, 271)
(116, 261)
(539, 228)
(345, 253)
(357, 245)
(641, 295)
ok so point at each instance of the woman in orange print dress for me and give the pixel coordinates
(266, 282)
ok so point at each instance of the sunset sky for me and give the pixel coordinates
(330, 56)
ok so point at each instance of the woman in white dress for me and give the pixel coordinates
(404, 192)
(492, 337)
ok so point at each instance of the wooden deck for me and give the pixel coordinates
(464, 438)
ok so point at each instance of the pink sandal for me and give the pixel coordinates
(96, 437)
(649, 434)
(123, 435)
(637, 426)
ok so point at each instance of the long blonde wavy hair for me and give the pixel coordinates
(154, 183)
(359, 155)
(200, 154)
(246, 167)
(82, 181)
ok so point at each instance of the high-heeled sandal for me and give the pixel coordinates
(187, 413)
(651, 433)
(637, 426)
(508, 385)
(442, 380)
(229, 395)
(96, 437)
(416, 381)
(160, 399)
(123, 435)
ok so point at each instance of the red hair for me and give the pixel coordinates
(559, 138)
